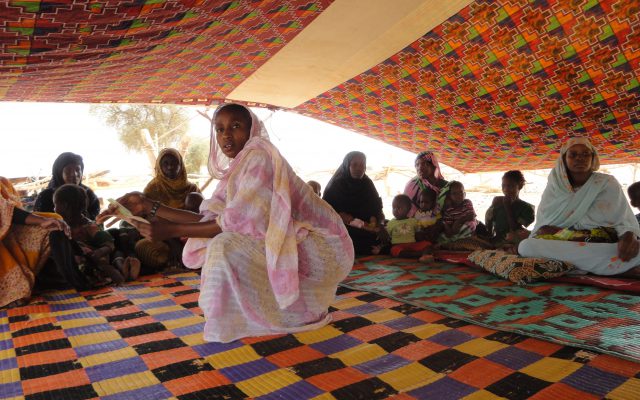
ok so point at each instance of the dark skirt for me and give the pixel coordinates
(363, 240)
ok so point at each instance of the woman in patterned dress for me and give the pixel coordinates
(271, 251)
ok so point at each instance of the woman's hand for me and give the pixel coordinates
(628, 246)
(135, 202)
(346, 217)
(157, 230)
(52, 224)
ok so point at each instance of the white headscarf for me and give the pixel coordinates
(218, 162)
(599, 202)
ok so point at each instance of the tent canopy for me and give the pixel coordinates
(488, 85)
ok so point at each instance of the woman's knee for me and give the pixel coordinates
(526, 248)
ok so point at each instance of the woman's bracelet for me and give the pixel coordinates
(154, 209)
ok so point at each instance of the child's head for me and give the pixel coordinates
(70, 201)
(315, 186)
(67, 168)
(512, 183)
(401, 205)
(232, 123)
(427, 200)
(634, 194)
(456, 193)
(192, 202)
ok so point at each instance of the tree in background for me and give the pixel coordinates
(148, 129)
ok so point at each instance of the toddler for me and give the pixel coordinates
(428, 216)
(634, 195)
(94, 245)
(402, 230)
(458, 216)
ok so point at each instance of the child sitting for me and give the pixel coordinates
(402, 230)
(634, 195)
(458, 216)
(94, 245)
(192, 202)
(508, 216)
(428, 216)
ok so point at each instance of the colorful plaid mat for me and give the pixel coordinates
(144, 341)
(588, 317)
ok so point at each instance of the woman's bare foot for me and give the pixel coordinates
(134, 268)
(375, 250)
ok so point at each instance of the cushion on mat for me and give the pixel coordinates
(520, 270)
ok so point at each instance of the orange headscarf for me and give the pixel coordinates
(170, 192)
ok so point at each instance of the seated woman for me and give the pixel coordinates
(580, 204)
(24, 246)
(171, 188)
(271, 251)
(428, 178)
(67, 168)
(170, 185)
(508, 216)
(352, 194)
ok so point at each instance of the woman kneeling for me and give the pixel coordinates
(271, 251)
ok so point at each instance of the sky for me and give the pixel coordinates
(36, 133)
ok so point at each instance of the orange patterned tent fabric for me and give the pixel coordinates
(503, 83)
(500, 85)
(133, 51)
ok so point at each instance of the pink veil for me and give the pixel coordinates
(219, 163)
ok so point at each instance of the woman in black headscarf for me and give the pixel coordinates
(67, 168)
(352, 194)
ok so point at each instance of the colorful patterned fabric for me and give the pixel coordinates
(520, 270)
(594, 235)
(23, 249)
(504, 80)
(165, 51)
(613, 283)
(426, 218)
(144, 341)
(582, 316)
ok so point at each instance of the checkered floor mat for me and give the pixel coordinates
(144, 341)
